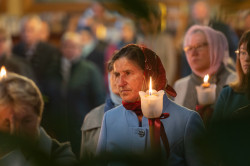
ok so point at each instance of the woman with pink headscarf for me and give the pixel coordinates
(206, 52)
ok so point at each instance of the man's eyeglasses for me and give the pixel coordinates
(241, 53)
(198, 48)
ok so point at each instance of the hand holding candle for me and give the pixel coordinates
(206, 92)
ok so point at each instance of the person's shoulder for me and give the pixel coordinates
(183, 116)
(61, 153)
(87, 64)
(18, 60)
(93, 118)
(229, 74)
(45, 45)
(181, 84)
(115, 111)
(181, 109)
(182, 81)
(227, 89)
(96, 110)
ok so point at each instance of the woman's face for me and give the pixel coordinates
(197, 52)
(129, 79)
(244, 58)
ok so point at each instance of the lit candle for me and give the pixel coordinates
(150, 87)
(3, 72)
(206, 84)
(206, 92)
(151, 102)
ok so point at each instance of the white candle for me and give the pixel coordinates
(151, 102)
(206, 92)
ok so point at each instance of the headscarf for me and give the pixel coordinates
(218, 47)
(153, 68)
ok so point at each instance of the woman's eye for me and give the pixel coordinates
(127, 72)
(116, 74)
(242, 53)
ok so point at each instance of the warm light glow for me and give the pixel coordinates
(206, 84)
(101, 32)
(206, 78)
(150, 87)
(2, 72)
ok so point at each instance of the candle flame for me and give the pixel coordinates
(150, 87)
(3, 72)
(206, 78)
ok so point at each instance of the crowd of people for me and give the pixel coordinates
(84, 93)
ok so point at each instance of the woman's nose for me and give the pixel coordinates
(121, 81)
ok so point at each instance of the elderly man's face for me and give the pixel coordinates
(129, 79)
(20, 120)
(71, 49)
(31, 32)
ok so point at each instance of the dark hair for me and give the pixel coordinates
(131, 52)
(242, 82)
(245, 38)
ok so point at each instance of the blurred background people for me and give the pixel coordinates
(93, 120)
(247, 21)
(128, 33)
(11, 62)
(92, 48)
(21, 108)
(236, 94)
(101, 21)
(42, 57)
(45, 32)
(205, 50)
(128, 36)
(79, 89)
(160, 42)
(201, 15)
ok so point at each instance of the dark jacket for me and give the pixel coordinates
(69, 104)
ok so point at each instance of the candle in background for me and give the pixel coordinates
(206, 92)
(206, 84)
(3, 72)
(151, 102)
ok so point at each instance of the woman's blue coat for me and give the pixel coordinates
(120, 132)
